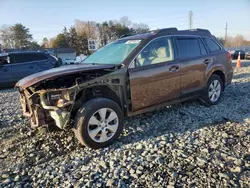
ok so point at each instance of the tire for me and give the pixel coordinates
(90, 118)
(206, 98)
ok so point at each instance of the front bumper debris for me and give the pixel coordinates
(48, 108)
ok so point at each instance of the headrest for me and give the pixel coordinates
(161, 52)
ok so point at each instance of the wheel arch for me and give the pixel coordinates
(96, 91)
(219, 71)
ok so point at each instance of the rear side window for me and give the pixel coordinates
(21, 58)
(36, 57)
(188, 47)
(212, 45)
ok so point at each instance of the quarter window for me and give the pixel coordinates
(188, 47)
(212, 45)
(203, 49)
(158, 51)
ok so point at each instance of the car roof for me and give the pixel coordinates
(25, 52)
(169, 31)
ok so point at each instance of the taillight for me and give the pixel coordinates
(229, 56)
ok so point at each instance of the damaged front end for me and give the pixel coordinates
(52, 106)
(51, 97)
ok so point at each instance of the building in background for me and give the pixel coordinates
(67, 55)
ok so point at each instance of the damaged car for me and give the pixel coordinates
(132, 75)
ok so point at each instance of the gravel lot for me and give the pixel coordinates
(185, 145)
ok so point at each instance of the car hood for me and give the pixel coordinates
(60, 71)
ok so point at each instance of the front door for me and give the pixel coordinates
(154, 75)
(24, 65)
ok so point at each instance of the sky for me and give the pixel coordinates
(47, 18)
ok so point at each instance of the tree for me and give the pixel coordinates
(21, 36)
(60, 41)
(83, 44)
(72, 38)
(121, 30)
(87, 28)
(140, 28)
(45, 43)
(33, 46)
(124, 21)
(16, 36)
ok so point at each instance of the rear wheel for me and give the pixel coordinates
(213, 91)
(98, 123)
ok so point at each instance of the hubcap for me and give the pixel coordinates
(214, 91)
(103, 125)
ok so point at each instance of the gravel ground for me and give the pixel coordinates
(185, 145)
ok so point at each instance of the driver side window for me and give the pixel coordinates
(158, 51)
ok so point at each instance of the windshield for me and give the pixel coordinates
(113, 53)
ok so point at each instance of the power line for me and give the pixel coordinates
(190, 18)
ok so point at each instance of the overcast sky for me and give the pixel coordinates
(46, 18)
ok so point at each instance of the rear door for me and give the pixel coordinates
(24, 65)
(5, 72)
(154, 76)
(194, 60)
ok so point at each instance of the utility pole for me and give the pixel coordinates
(190, 19)
(226, 28)
(89, 30)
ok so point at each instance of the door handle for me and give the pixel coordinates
(207, 61)
(174, 68)
(31, 67)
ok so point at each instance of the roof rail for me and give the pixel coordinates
(199, 31)
(127, 35)
(165, 30)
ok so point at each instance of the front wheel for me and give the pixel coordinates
(213, 90)
(98, 123)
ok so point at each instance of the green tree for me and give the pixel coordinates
(83, 44)
(73, 39)
(33, 46)
(16, 36)
(121, 30)
(60, 41)
(21, 35)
